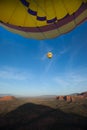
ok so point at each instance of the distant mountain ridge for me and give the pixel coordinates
(1, 95)
(47, 96)
(74, 94)
(82, 93)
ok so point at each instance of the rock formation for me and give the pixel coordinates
(7, 98)
(65, 98)
(70, 98)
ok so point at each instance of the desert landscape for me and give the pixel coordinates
(44, 112)
(43, 64)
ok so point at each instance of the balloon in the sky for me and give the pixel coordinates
(49, 55)
(42, 19)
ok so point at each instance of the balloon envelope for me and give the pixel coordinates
(42, 19)
(49, 54)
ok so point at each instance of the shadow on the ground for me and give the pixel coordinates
(39, 117)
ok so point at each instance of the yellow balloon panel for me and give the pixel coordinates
(18, 15)
(33, 5)
(41, 19)
(6, 9)
(59, 9)
(41, 8)
(50, 14)
(72, 5)
(15, 12)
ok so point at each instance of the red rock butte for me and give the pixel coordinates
(71, 98)
(7, 98)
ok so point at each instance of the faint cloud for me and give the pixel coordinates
(43, 57)
(48, 65)
(70, 79)
(14, 74)
(63, 51)
(74, 55)
(61, 81)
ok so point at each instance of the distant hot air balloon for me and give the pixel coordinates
(49, 55)
(42, 19)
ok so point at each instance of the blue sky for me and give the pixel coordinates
(25, 69)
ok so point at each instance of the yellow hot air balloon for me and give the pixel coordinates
(42, 19)
(49, 55)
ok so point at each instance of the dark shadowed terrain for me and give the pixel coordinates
(43, 114)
